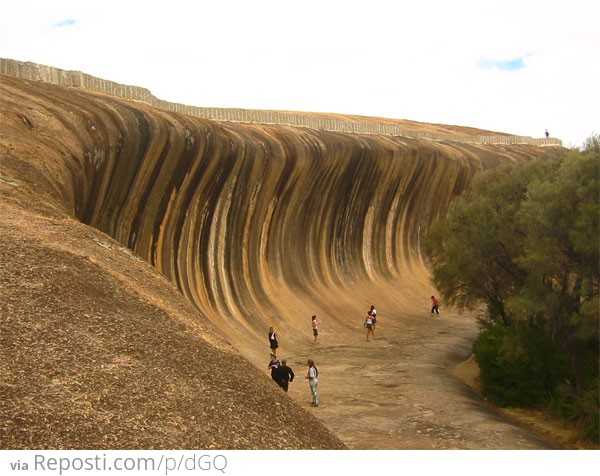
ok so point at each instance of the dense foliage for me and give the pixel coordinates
(521, 367)
(523, 242)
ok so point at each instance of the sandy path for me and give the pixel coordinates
(397, 392)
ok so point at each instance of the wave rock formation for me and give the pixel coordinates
(255, 225)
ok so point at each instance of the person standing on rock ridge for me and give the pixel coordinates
(313, 380)
(435, 306)
(315, 327)
(273, 344)
(285, 375)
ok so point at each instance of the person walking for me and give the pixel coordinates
(274, 366)
(373, 313)
(435, 306)
(285, 375)
(273, 344)
(369, 326)
(315, 328)
(313, 380)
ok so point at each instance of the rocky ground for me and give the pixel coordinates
(403, 391)
(69, 360)
(98, 351)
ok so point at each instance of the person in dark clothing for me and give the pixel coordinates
(274, 365)
(285, 375)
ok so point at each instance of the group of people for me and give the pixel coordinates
(371, 319)
(274, 344)
(282, 374)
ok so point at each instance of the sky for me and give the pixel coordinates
(514, 66)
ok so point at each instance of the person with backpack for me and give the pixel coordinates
(313, 380)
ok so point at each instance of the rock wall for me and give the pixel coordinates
(97, 349)
(254, 223)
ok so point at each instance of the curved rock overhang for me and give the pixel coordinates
(256, 225)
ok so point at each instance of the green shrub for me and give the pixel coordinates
(519, 367)
(589, 415)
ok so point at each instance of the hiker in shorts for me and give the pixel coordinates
(315, 327)
(285, 375)
(313, 380)
(435, 306)
(369, 326)
(273, 344)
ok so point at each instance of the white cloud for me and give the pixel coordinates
(414, 60)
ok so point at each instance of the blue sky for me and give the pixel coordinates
(503, 65)
(65, 23)
(510, 66)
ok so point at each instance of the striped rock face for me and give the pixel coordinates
(144, 254)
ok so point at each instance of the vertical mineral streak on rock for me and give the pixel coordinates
(118, 185)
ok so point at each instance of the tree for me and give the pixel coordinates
(473, 250)
(592, 144)
(524, 241)
(561, 254)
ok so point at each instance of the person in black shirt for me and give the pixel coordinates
(274, 367)
(273, 344)
(285, 375)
